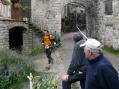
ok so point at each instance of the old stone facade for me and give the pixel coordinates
(47, 14)
(15, 33)
(109, 27)
(26, 36)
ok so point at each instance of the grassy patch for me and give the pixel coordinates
(111, 50)
(16, 69)
(37, 50)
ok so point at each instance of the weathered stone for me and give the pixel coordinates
(6, 25)
(48, 14)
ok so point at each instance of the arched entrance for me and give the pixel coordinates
(84, 13)
(73, 15)
(16, 38)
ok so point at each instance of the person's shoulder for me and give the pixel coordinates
(105, 61)
(77, 45)
(102, 61)
(104, 64)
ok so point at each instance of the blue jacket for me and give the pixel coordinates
(101, 75)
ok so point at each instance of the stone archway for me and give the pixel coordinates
(48, 14)
(73, 15)
(91, 10)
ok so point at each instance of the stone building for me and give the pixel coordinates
(102, 17)
(102, 20)
(14, 29)
(109, 31)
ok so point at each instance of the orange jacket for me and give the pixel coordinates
(47, 40)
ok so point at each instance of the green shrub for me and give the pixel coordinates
(4, 82)
(37, 50)
(111, 50)
(16, 69)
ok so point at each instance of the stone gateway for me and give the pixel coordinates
(102, 17)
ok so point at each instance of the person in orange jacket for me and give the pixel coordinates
(47, 41)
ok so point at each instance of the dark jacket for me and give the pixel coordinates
(78, 63)
(101, 75)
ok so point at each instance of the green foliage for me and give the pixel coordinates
(75, 86)
(58, 45)
(111, 50)
(37, 50)
(69, 23)
(4, 82)
(46, 81)
(16, 69)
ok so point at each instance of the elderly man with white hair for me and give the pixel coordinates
(101, 74)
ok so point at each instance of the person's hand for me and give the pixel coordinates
(80, 72)
(65, 77)
(54, 43)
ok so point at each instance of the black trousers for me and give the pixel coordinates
(67, 84)
(48, 54)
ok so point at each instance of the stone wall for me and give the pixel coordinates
(47, 14)
(109, 26)
(6, 25)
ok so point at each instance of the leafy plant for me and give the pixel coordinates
(16, 68)
(37, 50)
(46, 81)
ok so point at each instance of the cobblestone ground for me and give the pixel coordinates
(62, 59)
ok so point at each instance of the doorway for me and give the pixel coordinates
(16, 38)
